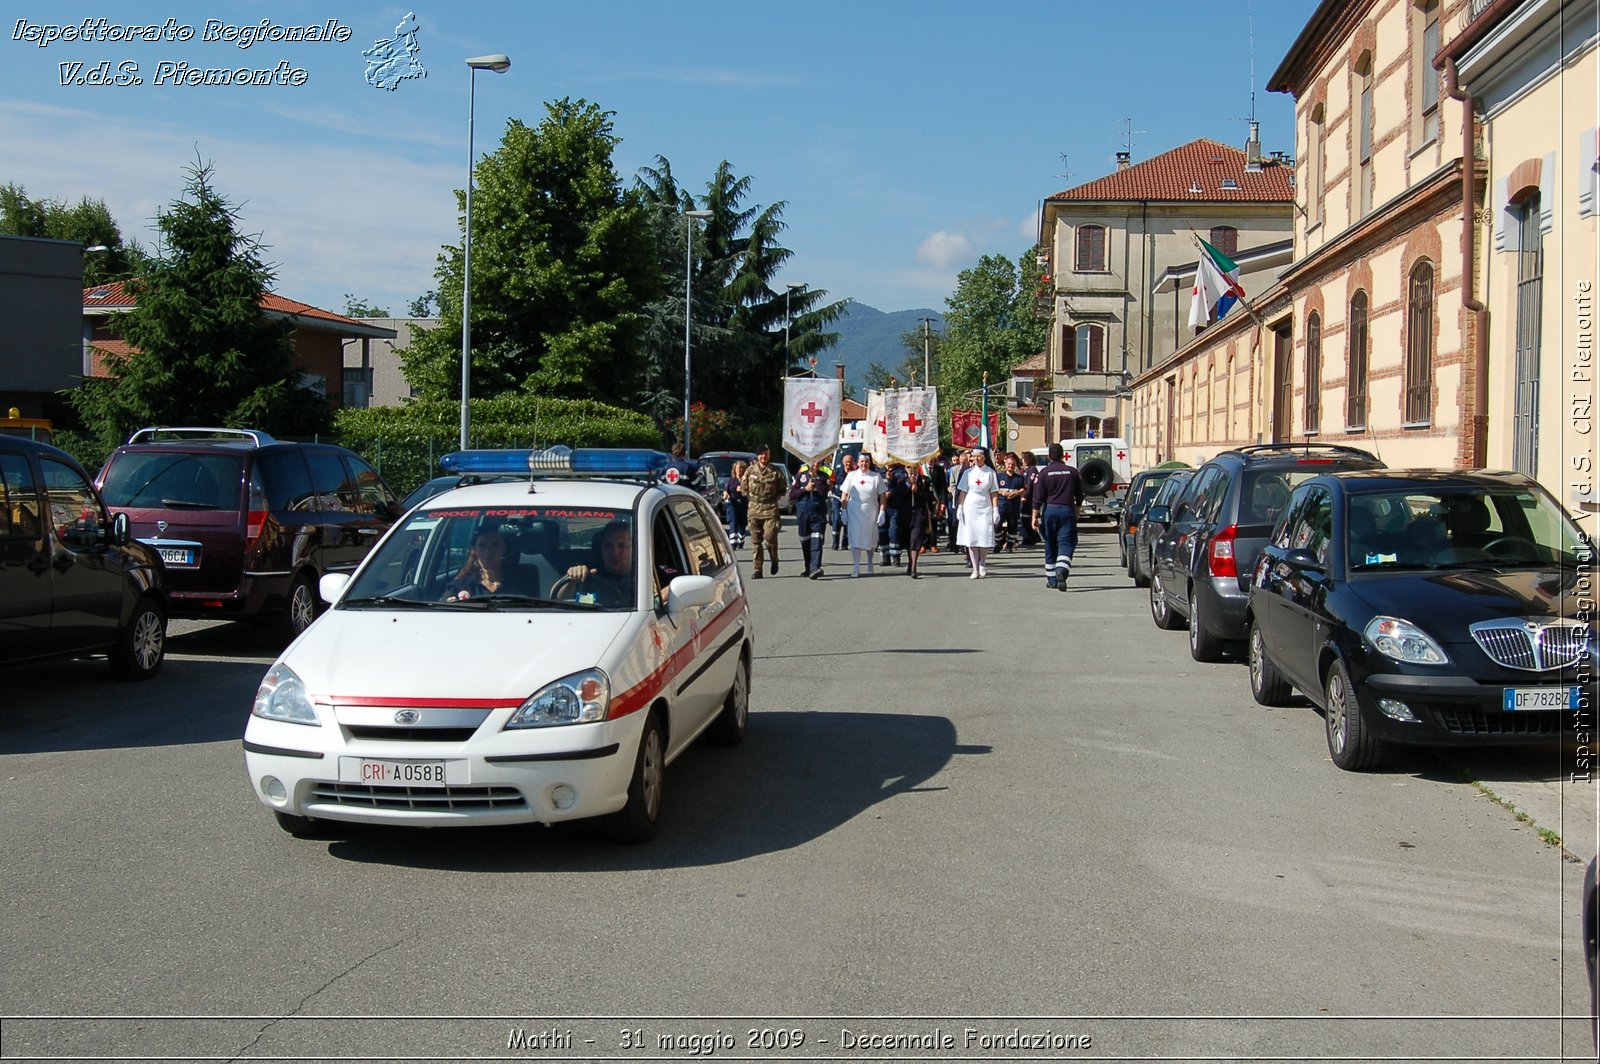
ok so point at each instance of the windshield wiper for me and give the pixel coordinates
(390, 599)
(494, 601)
(186, 504)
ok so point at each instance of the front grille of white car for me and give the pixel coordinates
(427, 799)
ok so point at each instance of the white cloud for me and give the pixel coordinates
(335, 217)
(944, 250)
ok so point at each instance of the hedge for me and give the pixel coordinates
(404, 443)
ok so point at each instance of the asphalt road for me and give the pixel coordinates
(981, 811)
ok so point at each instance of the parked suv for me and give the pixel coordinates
(246, 524)
(72, 583)
(1204, 558)
(1153, 522)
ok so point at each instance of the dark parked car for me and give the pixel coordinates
(1425, 608)
(1140, 494)
(72, 582)
(1141, 566)
(440, 485)
(246, 524)
(1204, 558)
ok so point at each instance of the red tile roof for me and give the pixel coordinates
(850, 410)
(116, 295)
(1193, 172)
(1032, 367)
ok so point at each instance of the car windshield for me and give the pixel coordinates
(723, 463)
(173, 480)
(1460, 528)
(502, 557)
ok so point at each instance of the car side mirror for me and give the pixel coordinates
(1303, 559)
(1159, 514)
(687, 592)
(332, 585)
(120, 530)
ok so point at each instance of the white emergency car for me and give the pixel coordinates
(546, 699)
(1105, 468)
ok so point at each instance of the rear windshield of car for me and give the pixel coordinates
(723, 463)
(1265, 492)
(173, 480)
(434, 556)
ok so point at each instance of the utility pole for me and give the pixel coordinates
(926, 336)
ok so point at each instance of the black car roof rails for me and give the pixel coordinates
(179, 434)
(1306, 448)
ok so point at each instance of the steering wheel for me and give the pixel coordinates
(1491, 547)
(565, 587)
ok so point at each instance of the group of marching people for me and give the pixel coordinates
(897, 514)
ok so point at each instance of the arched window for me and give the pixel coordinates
(1364, 139)
(1316, 153)
(1419, 345)
(1091, 249)
(1530, 311)
(1225, 238)
(1314, 372)
(1089, 347)
(1086, 427)
(1355, 400)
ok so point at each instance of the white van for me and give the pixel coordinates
(1106, 466)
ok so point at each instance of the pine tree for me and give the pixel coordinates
(205, 352)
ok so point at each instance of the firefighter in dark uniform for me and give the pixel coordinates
(809, 494)
(1057, 497)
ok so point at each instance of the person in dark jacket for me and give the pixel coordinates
(1030, 473)
(1057, 497)
(809, 495)
(1010, 485)
(897, 528)
(925, 509)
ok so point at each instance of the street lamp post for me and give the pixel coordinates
(790, 289)
(688, 315)
(499, 64)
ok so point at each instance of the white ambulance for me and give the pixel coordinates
(1106, 466)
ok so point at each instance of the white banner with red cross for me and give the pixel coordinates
(911, 424)
(875, 433)
(811, 416)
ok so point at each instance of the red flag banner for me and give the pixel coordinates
(966, 428)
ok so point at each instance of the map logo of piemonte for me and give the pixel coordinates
(391, 61)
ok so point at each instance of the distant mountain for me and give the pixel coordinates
(868, 335)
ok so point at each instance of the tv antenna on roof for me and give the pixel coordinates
(1127, 134)
(1065, 173)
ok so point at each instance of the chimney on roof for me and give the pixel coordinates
(838, 370)
(1124, 159)
(1252, 148)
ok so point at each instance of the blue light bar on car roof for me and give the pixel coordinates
(591, 461)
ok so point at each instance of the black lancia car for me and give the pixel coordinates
(1426, 608)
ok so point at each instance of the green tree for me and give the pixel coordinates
(360, 308)
(989, 325)
(562, 263)
(88, 222)
(738, 356)
(205, 354)
(423, 306)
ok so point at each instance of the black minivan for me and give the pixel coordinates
(72, 581)
(247, 524)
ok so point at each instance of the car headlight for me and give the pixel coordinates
(1403, 641)
(580, 698)
(282, 696)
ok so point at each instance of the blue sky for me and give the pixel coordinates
(907, 139)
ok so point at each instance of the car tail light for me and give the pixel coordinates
(1223, 562)
(257, 519)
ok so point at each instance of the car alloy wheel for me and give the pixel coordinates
(142, 646)
(1266, 685)
(1160, 611)
(1351, 746)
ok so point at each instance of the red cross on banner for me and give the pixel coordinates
(911, 423)
(883, 426)
(811, 412)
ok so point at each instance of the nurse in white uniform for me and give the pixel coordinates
(976, 500)
(863, 495)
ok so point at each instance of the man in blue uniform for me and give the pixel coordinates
(1057, 496)
(809, 494)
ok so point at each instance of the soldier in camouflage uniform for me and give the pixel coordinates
(763, 483)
